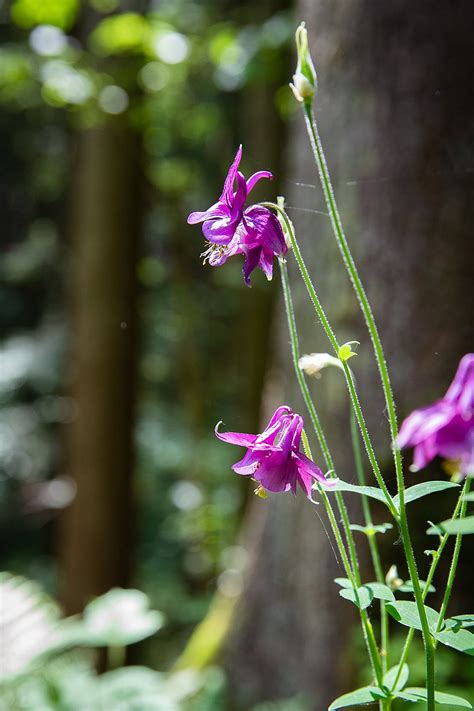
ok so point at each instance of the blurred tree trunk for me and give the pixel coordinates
(96, 535)
(396, 120)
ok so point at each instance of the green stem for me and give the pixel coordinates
(386, 385)
(367, 628)
(332, 339)
(373, 546)
(455, 559)
(295, 351)
(429, 580)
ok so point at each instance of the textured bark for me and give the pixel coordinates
(96, 533)
(396, 120)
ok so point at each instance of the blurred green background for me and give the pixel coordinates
(119, 351)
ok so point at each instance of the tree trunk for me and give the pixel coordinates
(97, 530)
(396, 120)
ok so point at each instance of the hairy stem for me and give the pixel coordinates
(429, 580)
(386, 385)
(373, 545)
(455, 559)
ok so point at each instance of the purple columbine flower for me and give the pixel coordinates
(273, 458)
(255, 232)
(445, 428)
(221, 220)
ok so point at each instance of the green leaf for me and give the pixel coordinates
(371, 530)
(370, 491)
(469, 497)
(363, 599)
(120, 617)
(462, 640)
(407, 614)
(343, 582)
(418, 694)
(346, 352)
(380, 591)
(407, 587)
(424, 489)
(391, 675)
(460, 621)
(462, 526)
(366, 695)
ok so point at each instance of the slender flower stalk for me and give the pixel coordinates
(373, 545)
(351, 268)
(455, 559)
(367, 628)
(333, 340)
(351, 567)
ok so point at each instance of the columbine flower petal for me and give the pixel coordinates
(256, 232)
(445, 428)
(273, 458)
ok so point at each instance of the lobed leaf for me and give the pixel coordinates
(416, 693)
(381, 591)
(424, 489)
(463, 526)
(372, 491)
(460, 639)
(371, 530)
(407, 587)
(363, 598)
(406, 613)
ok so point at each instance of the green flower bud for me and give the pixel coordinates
(304, 80)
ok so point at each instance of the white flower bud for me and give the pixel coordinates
(313, 363)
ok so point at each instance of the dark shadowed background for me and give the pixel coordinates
(119, 350)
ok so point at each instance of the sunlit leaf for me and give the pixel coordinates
(362, 599)
(407, 587)
(370, 491)
(366, 695)
(416, 693)
(424, 489)
(372, 530)
(380, 591)
(463, 526)
(461, 640)
(407, 614)
(391, 675)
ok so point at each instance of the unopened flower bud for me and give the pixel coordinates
(304, 80)
(313, 363)
(392, 579)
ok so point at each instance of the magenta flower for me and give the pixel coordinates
(259, 237)
(445, 428)
(229, 229)
(273, 458)
(222, 219)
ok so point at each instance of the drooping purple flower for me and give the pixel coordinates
(259, 238)
(230, 229)
(273, 458)
(445, 428)
(221, 220)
